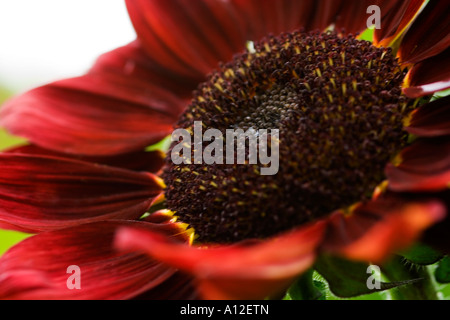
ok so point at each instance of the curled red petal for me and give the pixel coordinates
(429, 76)
(432, 119)
(109, 111)
(375, 230)
(187, 37)
(248, 270)
(40, 193)
(429, 35)
(396, 21)
(425, 166)
(149, 161)
(38, 267)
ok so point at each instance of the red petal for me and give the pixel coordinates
(177, 287)
(324, 14)
(437, 235)
(276, 16)
(103, 113)
(353, 17)
(188, 37)
(137, 161)
(376, 229)
(37, 267)
(429, 76)
(264, 17)
(429, 35)
(248, 270)
(40, 193)
(396, 21)
(141, 71)
(425, 166)
(432, 119)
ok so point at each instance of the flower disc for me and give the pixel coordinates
(338, 106)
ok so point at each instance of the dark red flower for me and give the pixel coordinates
(86, 181)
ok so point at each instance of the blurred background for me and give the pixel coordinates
(47, 40)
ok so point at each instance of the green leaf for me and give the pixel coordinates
(305, 288)
(348, 279)
(422, 255)
(442, 272)
(398, 268)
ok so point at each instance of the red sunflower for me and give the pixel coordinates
(364, 155)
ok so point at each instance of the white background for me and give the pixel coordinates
(46, 40)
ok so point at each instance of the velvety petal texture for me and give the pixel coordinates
(374, 230)
(432, 119)
(86, 176)
(141, 70)
(178, 287)
(247, 270)
(425, 166)
(264, 17)
(187, 37)
(396, 21)
(429, 76)
(437, 235)
(40, 193)
(102, 113)
(46, 266)
(429, 35)
(190, 38)
(149, 161)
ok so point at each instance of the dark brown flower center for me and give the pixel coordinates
(338, 106)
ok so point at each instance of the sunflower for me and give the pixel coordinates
(364, 167)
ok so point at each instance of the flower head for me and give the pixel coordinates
(351, 180)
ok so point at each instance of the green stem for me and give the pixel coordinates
(398, 270)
